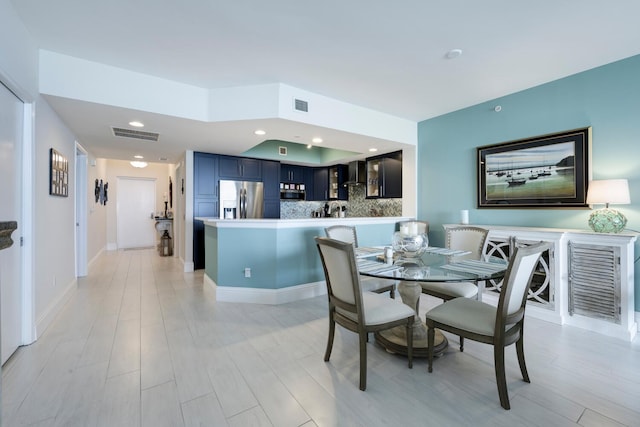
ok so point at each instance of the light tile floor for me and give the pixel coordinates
(142, 343)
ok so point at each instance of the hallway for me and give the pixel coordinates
(142, 343)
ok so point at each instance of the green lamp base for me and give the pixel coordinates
(607, 221)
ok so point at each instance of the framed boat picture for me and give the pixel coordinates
(548, 171)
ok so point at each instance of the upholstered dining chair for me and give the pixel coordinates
(499, 326)
(355, 310)
(347, 233)
(465, 238)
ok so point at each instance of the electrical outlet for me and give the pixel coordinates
(247, 272)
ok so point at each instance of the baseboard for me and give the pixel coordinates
(266, 296)
(49, 314)
(188, 267)
(112, 246)
(95, 258)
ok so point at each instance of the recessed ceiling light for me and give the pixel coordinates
(138, 156)
(373, 150)
(309, 146)
(136, 164)
(136, 124)
(316, 140)
(260, 132)
(454, 53)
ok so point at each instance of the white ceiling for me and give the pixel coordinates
(385, 56)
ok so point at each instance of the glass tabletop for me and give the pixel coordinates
(431, 267)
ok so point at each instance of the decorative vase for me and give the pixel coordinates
(409, 246)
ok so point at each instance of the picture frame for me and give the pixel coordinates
(547, 171)
(58, 174)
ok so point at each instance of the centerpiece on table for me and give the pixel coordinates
(408, 242)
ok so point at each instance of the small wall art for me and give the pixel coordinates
(58, 174)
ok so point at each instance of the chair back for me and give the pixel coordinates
(516, 283)
(344, 233)
(423, 226)
(341, 274)
(467, 238)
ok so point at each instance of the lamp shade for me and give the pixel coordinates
(609, 191)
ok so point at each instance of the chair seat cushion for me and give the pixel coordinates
(373, 284)
(468, 314)
(380, 309)
(453, 289)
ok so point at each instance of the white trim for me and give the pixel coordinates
(95, 258)
(80, 211)
(112, 246)
(28, 210)
(188, 267)
(297, 223)
(50, 313)
(266, 296)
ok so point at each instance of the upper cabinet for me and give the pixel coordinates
(327, 184)
(292, 174)
(384, 176)
(205, 184)
(239, 168)
(320, 184)
(270, 178)
(338, 175)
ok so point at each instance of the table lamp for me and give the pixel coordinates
(608, 191)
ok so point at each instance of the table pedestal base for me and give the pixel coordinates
(395, 340)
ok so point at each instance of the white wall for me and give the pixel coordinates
(18, 55)
(120, 168)
(54, 243)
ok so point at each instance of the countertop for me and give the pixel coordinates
(298, 223)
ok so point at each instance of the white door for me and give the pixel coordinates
(11, 126)
(135, 205)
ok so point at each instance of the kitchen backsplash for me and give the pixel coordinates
(357, 206)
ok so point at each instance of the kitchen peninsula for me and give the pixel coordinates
(273, 261)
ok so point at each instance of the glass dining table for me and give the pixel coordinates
(434, 265)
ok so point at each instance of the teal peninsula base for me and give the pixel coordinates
(270, 261)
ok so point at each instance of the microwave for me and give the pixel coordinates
(291, 194)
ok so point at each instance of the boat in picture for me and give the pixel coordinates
(516, 181)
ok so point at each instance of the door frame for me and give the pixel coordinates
(81, 211)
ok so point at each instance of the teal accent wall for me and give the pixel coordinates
(278, 257)
(606, 98)
(297, 152)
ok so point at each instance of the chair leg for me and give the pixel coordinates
(363, 360)
(523, 365)
(461, 344)
(332, 331)
(501, 379)
(410, 342)
(431, 334)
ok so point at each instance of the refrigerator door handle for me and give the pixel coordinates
(243, 203)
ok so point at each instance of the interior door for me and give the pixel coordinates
(136, 201)
(11, 125)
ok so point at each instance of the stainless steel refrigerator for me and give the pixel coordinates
(241, 199)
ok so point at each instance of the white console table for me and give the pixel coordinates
(585, 280)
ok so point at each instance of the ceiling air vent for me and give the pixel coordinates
(301, 105)
(135, 134)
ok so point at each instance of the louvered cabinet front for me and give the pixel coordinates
(594, 281)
